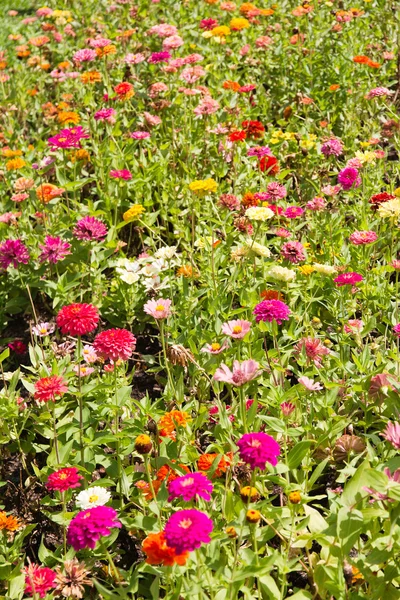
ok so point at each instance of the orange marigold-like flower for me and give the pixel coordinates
(66, 118)
(361, 59)
(91, 77)
(39, 41)
(8, 153)
(231, 85)
(8, 523)
(188, 272)
(146, 489)
(80, 154)
(64, 65)
(32, 92)
(247, 7)
(15, 163)
(206, 461)
(159, 553)
(3, 65)
(110, 49)
(271, 295)
(167, 471)
(48, 191)
(171, 420)
(334, 87)
(249, 200)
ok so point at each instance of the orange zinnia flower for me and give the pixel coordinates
(91, 77)
(271, 295)
(231, 85)
(167, 471)
(361, 59)
(249, 200)
(65, 118)
(334, 87)
(110, 49)
(159, 553)
(146, 489)
(48, 191)
(8, 523)
(171, 420)
(206, 461)
(15, 163)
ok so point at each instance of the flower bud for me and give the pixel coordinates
(143, 444)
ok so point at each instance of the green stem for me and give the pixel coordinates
(80, 400)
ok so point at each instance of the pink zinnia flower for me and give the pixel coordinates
(121, 174)
(54, 249)
(392, 434)
(158, 57)
(90, 229)
(275, 191)
(215, 348)
(292, 212)
(377, 92)
(152, 120)
(283, 233)
(229, 201)
(316, 204)
(309, 384)
(105, 114)
(287, 408)
(100, 42)
(271, 310)
(348, 279)
(19, 197)
(313, 348)
(242, 373)
(396, 330)
(43, 329)
(89, 525)
(190, 487)
(83, 370)
(89, 354)
(186, 530)
(349, 178)
(134, 59)
(293, 252)
(139, 135)
(18, 347)
(332, 147)
(78, 319)
(163, 30)
(353, 326)
(359, 238)
(331, 190)
(38, 580)
(258, 449)
(172, 42)
(84, 55)
(48, 388)
(159, 309)
(13, 252)
(208, 24)
(192, 74)
(259, 151)
(64, 479)
(236, 329)
(207, 106)
(379, 386)
(114, 344)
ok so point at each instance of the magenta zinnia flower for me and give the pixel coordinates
(189, 487)
(293, 252)
(64, 479)
(186, 530)
(349, 178)
(292, 212)
(13, 252)
(241, 374)
(396, 330)
(348, 279)
(38, 580)
(89, 525)
(256, 449)
(90, 229)
(105, 114)
(114, 344)
(77, 319)
(84, 55)
(236, 329)
(158, 57)
(271, 310)
(54, 249)
(121, 174)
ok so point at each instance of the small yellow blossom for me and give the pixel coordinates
(201, 187)
(220, 31)
(133, 212)
(306, 269)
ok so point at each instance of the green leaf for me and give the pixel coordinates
(352, 491)
(349, 527)
(297, 453)
(5, 354)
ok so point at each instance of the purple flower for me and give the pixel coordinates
(189, 487)
(121, 174)
(90, 229)
(256, 449)
(271, 310)
(158, 57)
(241, 374)
(332, 147)
(13, 252)
(349, 178)
(89, 525)
(54, 249)
(186, 530)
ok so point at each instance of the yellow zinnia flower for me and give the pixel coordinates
(133, 212)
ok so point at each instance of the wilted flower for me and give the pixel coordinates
(71, 579)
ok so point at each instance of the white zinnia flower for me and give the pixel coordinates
(324, 269)
(94, 496)
(282, 273)
(258, 249)
(259, 213)
(166, 253)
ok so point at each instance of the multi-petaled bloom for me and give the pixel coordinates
(38, 580)
(236, 329)
(332, 147)
(94, 496)
(77, 319)
(54, 249)
(190, 487)
(215, 347)
(70, 580)
(258, 449)
(271, 310)
(121, 174)
(292, 212)
(159, 553)
(392, 434)
(396, 330)
(242, 372)
(349, 178)
(309, 384)
(293, 252)
(43, 329)
(159, 309)
(88, 526)
(90, 229)
(105, 114)
(348, 279)
(114, 344)
(159, 57)
(13, 252)
(378, 92)
(313, 349)
(186, 530)
(68, 138)
(64, 479)
(171, 420)
(49, 388)
(84, 55)
(359, 238)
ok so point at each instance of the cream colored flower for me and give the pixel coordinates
(258, 249)
(390, 209)
(259, 213)
(282, 273)
(324, 269)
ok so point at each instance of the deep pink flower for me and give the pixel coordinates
(313, 348)
(208, 24)
(287, 408)
(158, 57)
(90, 229)
(292, 212)
(349, 178)
(69, 137)
(332, 147)
(259, 151)
(271, 310)
(38, 580)
(229, 201)
(379, 386)
(159, 309)
(348, 279)
(236, 329)
(242, 372)
(139, 135)
(13, 252)
(392, 434)
(78, 319)
(258, 449)
(359, 238)
(105, 114)
(396, 330)
(275, 191)
(283, 233)
(64, 479)
(18, 347)
(186, 530)
(54, 249)
(293, 252)
(114, 344)
(89, 525)
(121, 174)
(48, 388)
(190, 487)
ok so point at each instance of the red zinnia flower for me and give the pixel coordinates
(78, 319)
(237, 136)
(377, 199)
(115, 344)
(269, 164)
(254, 129)
(47, 388)
(64, 479)
(38, 580)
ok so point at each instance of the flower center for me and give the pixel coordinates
(237, 329)
(187, 482)
(62, 139)
(215, 346)
(256, 443)
(63, 476)
(160, 307)
(93, 498)
(185, 524)
(43, 330)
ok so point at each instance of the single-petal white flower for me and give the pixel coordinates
(94, 496)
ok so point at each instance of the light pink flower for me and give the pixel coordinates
(214, 348)
(331, 190)
(159, 309)
(360, 238)
(236, 329)
(151, 120)
(172, 42)
(313, 349)
(84, 55)
(310, 384)
(134, 59)
(392, 434)
(192, 74)
(316, 204)
(241, 374)
(353, 326)
(207, 106)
